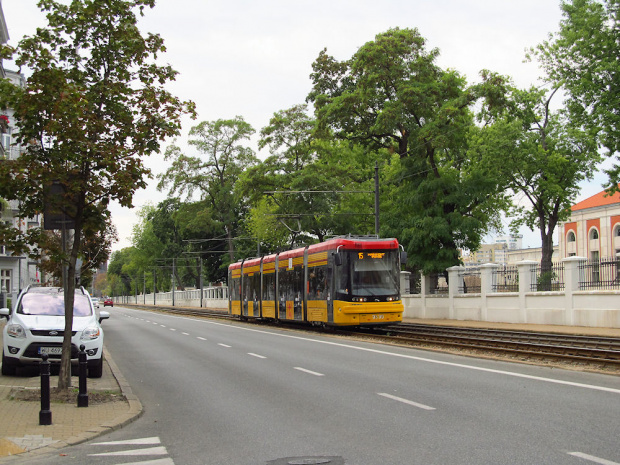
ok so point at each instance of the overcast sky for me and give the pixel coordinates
(253, 58)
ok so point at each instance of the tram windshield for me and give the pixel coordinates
(370, 274)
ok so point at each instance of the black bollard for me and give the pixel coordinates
(45, 415)
(82, 399)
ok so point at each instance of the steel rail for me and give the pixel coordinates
(547, 345)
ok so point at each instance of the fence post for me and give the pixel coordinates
(572, 282)
(455, 281)
(487, 273)
(527, 275)
(405, 282)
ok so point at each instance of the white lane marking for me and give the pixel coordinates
(149, 451)
(423, 359)
(405, 401)
(163, 326)
(223, 345)
(140, 441)
(309, 371)
(172, 329)
(413, 357)
(185, 334)
(166, 461)
(256, 355)
(201, 338)
(591, 458)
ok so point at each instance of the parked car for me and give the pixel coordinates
(95, 301)
(108, 302)
(35, 326)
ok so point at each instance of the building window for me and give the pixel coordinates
(5, 280)
(570, 237)
(593, 233)
(594, 257)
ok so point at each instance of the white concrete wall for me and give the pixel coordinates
(570, 307)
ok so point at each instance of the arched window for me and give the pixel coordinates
(617, 231)
(570, 237)
(594, 233)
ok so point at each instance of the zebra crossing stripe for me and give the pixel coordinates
(137, 442)
(150, 451)
(167, 461)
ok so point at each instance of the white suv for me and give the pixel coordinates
(36, 325)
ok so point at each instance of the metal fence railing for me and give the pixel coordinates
(550, 279)
(603, 273)
(471, 283)
(506, 279)
(438, 283)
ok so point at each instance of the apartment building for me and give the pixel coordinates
(16, 271)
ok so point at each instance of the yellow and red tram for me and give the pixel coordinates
(345, 281)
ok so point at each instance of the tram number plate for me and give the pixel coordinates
(50, 350)
(376, 318)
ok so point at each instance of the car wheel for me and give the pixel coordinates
(7, 369)
(96, 370)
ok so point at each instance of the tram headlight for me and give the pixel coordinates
(360, 299)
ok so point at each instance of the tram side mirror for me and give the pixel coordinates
(403, 258)
(337, 259)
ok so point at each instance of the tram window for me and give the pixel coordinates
(291, 283)
(317, 283)
(235, 287)
(255, 287)
(342, 275)
(269, 286)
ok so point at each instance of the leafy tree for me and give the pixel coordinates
(542, 157)
(94, 104)
(306, 179)
(391, 95)
(213, 178)
(583, 58)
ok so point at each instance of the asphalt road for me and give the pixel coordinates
(231, 393)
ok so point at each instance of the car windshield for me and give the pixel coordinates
(53, 304)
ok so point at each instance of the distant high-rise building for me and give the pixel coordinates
(512, 241)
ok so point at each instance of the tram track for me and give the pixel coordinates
(589, 352)
(594, 350)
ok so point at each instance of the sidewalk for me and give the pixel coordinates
(21, 433)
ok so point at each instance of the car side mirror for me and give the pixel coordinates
(403, 258)
(4, 313)
(103, 315)
(337, 259)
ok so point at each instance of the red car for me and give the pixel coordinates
(108, 302)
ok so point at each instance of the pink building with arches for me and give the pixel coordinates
(593, 230)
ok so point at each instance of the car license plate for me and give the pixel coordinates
(50, 350)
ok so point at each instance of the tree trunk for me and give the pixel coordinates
(546, 264)
(64, 375)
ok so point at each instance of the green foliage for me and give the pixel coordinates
(213, 175)
(583, 58)
(542, 157)
(94, 104)
(391, 95)
(307, 188)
